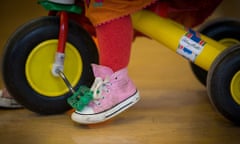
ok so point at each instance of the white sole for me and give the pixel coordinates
(103, 116)
(9, 103)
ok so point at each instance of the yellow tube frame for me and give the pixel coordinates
(170, 34)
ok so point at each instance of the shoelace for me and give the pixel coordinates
(98, 87)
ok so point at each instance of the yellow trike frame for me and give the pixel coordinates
(220, 60)
(171, 34)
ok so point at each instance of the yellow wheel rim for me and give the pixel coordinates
(39, 68)
(229, 42)
(235, 87)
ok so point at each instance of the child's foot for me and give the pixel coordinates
(7, 101)
(113, 93)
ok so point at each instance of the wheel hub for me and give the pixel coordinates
(39, 65)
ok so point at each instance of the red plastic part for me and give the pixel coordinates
(63, 31)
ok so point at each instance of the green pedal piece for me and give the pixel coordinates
(80, 98)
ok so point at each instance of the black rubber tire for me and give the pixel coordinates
(220, 74)
(217, 30)
(22, 42)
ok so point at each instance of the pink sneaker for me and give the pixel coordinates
(113, 93)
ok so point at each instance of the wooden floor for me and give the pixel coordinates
(174, 107)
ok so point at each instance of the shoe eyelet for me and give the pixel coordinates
(97, 103)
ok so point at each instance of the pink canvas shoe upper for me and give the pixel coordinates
(110, 88)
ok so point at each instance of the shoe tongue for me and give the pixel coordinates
(101, 71)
